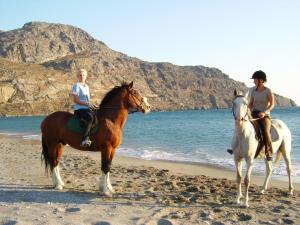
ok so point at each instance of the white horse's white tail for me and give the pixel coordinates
(244, 145)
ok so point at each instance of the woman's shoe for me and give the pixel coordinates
(230, 151)
(269, 158)
(86, 143)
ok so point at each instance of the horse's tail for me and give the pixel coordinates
(45, 155)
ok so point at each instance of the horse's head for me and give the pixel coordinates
(125, 96)
(240, 106)
(136, 101)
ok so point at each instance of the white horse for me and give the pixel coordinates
(244, 145)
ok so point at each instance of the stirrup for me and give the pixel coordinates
(230, 151)
(86, 143)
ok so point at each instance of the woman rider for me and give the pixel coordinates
(261, 103)
(81, 98)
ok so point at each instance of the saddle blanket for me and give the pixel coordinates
(274, 133)
(75, 126)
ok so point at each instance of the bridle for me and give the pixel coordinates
(139, 102)
(246, 117)
(243, 118)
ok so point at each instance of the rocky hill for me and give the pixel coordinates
(40, 60)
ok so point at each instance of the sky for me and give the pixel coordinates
(237, 37)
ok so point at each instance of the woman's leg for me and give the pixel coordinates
(266, 127)
(87, 116)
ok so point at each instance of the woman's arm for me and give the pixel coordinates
(77, 101)
(271, 104)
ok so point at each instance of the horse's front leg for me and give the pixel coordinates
(247, 179)
(269, 168)
(238, 165)
(106, 159)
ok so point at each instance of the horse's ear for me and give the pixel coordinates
(130, 85)
(235, 92)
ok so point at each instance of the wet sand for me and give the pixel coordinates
(147, 192)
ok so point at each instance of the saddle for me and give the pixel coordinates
(77, 125)
(259, 138)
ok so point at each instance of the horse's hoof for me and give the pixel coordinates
(262, 191)
(59, 187)
(112, 190)
(106, 191)
(291, 192)
(107, 194)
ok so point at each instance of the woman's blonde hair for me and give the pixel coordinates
(82, 71)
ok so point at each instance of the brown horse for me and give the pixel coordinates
(111, 114)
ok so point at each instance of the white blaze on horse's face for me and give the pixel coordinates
(145, 105)
(139, 102)
(240, 109)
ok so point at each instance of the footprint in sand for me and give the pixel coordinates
(11, 222)
(287, 221)
(278, 209)
(164, 222)
(102, 223)
(244, 217)
(73, 210)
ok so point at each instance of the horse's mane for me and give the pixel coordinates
(113, 92)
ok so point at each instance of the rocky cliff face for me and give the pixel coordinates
(42, 59)
(32, 89)
(38, 42)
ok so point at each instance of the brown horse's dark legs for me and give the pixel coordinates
(60, 151)
(56, 155)
(105, 162)
(107, 155)
(52, 149)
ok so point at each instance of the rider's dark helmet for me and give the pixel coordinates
(259, 75)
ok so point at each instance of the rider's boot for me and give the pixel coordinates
(86, 142)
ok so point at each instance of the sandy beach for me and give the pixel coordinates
(147, 192)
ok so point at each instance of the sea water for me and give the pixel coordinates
(198, 136)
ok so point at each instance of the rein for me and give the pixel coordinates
(140, 105)
(246, 114)
(122, 108)
(243, 118)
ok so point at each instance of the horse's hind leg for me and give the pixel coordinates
(287, 159)
(269, 168)
(56, 178)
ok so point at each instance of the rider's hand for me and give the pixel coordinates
(93, 106)
(262, 114)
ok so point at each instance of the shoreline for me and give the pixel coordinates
(196, 169)
(178, 167)
(146, 192)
